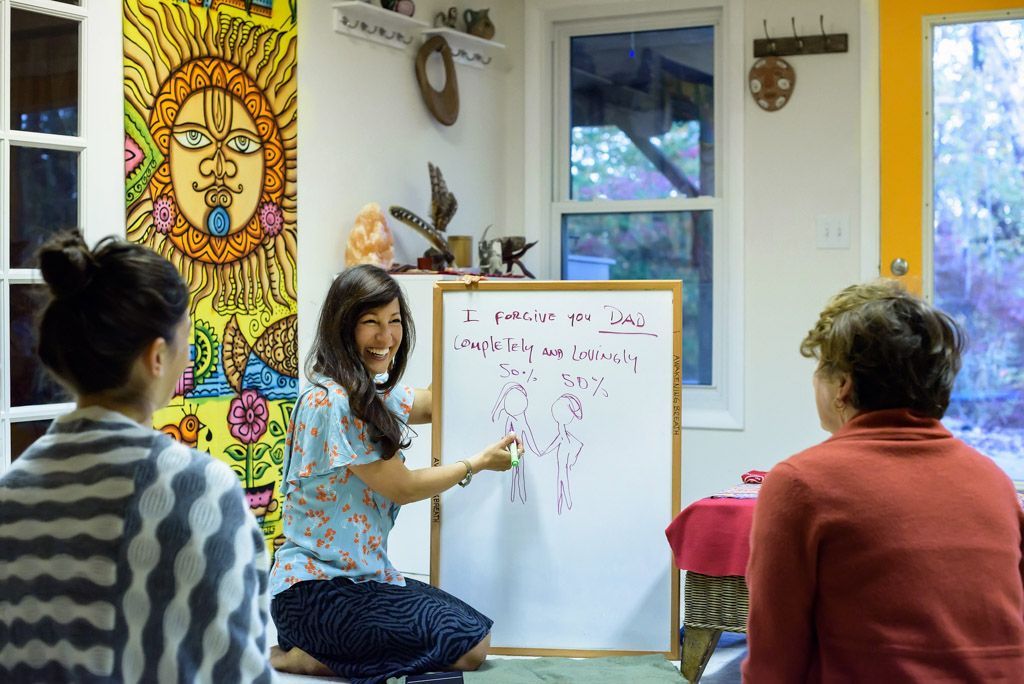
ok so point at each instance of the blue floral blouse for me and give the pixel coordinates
(334, 524)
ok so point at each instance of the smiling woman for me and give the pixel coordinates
(340, 606)
(379, 335)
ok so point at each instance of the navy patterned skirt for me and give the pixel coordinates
(369, 631)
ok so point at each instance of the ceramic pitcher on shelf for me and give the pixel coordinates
(478, 23)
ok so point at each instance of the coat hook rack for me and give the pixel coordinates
(801, 45)
(360, 25)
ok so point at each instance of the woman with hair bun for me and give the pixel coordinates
(892, 551)
(123, 554)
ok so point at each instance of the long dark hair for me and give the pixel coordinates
(107, 304)
(354, 292)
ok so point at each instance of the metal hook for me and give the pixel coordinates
(798, 39)
(472, 56)
(771, 43)
(821, 22)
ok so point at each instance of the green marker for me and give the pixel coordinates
(515, 454)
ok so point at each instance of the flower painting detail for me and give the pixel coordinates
(247, 417)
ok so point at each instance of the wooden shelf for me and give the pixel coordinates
(369, 22)
(468, 49)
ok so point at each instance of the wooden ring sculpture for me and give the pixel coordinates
(443, 104)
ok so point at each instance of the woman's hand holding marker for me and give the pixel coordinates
(496, 456)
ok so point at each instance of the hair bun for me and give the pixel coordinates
(67, 264)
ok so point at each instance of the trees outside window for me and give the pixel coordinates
(978, 191)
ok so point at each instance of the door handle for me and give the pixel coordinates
(899, 266)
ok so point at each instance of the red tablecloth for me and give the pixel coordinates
(712, 536)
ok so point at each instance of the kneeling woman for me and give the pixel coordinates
(339, 605)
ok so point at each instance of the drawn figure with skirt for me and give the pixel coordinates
(511, 406)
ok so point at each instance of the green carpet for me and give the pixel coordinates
(645, 669)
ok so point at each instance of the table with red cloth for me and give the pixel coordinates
(710, 540)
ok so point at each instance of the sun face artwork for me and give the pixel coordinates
(210, 183)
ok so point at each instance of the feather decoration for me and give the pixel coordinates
(443, 206)
(434, 237)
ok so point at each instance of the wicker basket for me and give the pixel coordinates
(716, 602)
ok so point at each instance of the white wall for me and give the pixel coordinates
(800, 161)
(366, 136)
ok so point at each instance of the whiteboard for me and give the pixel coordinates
(567, 553)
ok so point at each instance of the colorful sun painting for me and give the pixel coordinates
(210, 114)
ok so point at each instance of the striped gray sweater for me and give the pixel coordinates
(125, 556)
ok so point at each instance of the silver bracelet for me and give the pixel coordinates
(469, 474)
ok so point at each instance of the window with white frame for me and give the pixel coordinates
(41, 160)
(645, 183)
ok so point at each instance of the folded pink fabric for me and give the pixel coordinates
(740, 491)
(754, 476)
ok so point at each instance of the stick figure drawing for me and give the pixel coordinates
(565, 445)
(511, 409)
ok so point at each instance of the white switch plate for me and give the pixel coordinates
(833, 231)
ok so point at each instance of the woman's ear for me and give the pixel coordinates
(845, 388)
(154, 357)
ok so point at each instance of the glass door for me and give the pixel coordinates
(976, 192)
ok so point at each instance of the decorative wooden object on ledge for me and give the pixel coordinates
(801, 45)
(363, 20)
(467, 49)
(443, 104)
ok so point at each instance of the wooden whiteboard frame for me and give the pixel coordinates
(673, 286)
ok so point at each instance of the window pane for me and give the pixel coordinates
(44, 73)
(30, 383)
(978, 142)
(24, 434)
(44, 199)
(642, 115)
(651, 246)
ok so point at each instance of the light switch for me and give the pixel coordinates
(833, 231)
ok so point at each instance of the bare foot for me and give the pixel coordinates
(297, 661)
(474, 658)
